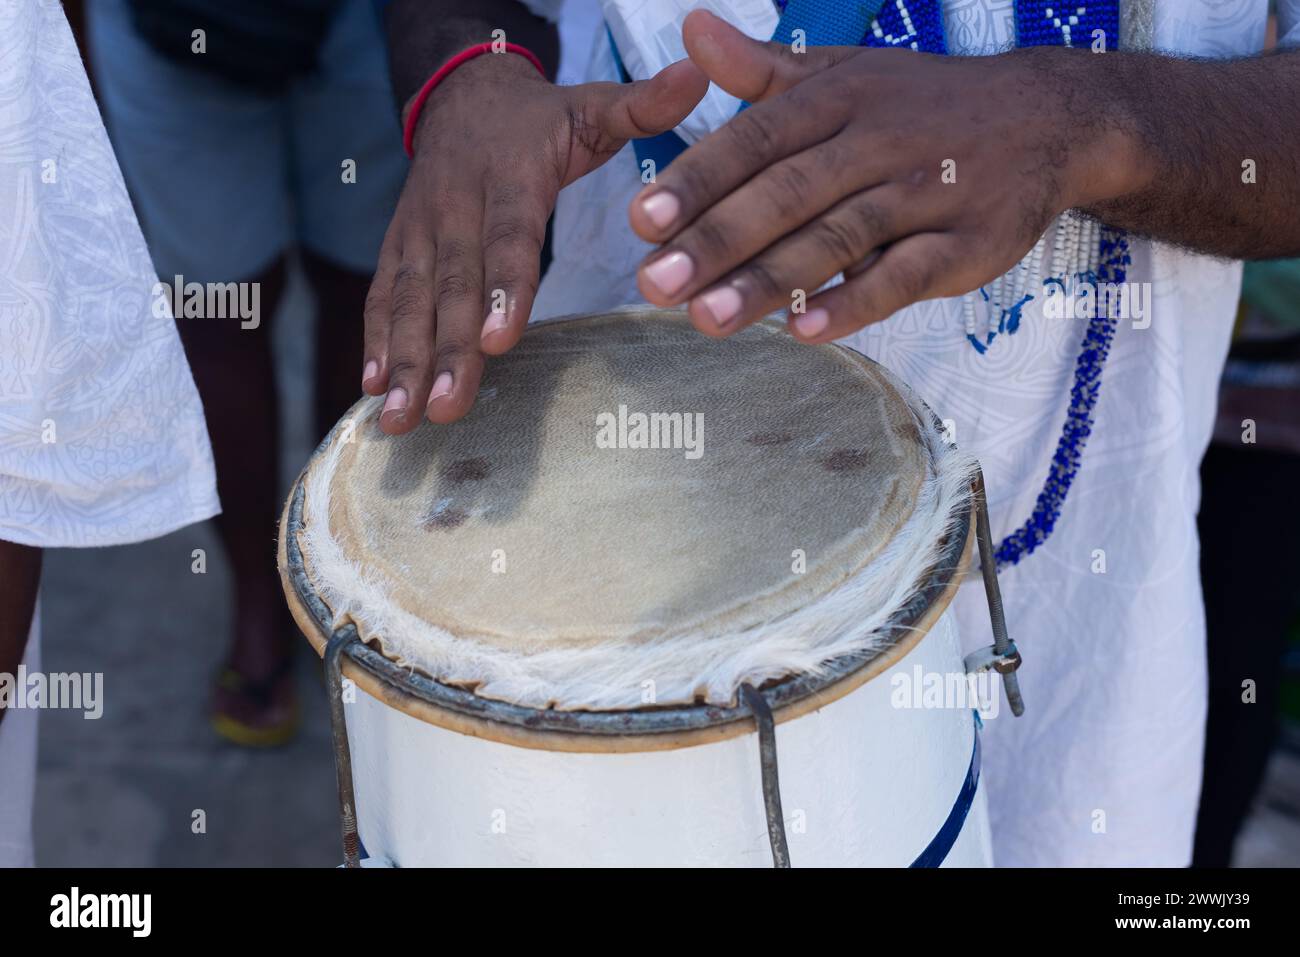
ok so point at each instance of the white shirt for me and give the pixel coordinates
(102, 439)
(1104, 768)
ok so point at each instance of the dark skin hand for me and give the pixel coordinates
(837, 168)
(496, 142)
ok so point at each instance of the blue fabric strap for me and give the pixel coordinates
(827, 23)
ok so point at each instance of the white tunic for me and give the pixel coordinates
(102, 439)
(1104, 768)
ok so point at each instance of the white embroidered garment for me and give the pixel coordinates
(102, 439)
(1104, 768)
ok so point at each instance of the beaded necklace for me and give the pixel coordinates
(1082, 250)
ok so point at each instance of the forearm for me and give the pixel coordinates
(1213, 149)
(424, 34)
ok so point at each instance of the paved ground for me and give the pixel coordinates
(1272, 836)
(123, 790)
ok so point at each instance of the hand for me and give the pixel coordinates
(837, 168)
(496, 142)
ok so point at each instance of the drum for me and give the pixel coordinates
(652, 602)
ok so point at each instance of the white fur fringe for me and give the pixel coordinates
(682, 668)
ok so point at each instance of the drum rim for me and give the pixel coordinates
(787, 698)
(614, 730)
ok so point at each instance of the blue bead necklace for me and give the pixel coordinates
(1079, 244)
(1082, 251)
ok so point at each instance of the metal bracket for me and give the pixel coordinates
(1003, 651)
(988, 657)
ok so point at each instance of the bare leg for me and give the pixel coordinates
(341, 295)
(20, 575)
(254, 703)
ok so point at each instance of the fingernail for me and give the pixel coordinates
(661, 209)
(813, 322)
(441, 386)
(371, 370)
(396, 401)
(670, 273)
(722, 304)
(495, 322)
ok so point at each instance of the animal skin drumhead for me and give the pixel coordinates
(621, 481)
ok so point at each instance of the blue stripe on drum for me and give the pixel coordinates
(943, 842)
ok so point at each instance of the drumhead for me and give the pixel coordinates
(635, 515)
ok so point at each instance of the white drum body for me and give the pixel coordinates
(867, 780)
(499, 717)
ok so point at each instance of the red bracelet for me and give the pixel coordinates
(464, 56)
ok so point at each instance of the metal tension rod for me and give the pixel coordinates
(1003, 648)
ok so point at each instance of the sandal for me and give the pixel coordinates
(259, 696)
